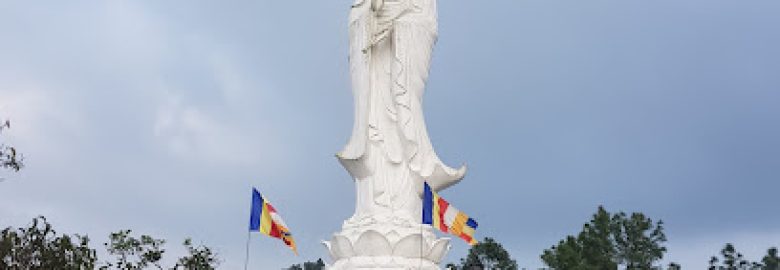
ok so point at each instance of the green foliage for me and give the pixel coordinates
(730, 259)
(598, 249)
(9, 158)
(635, 247)
(38, 247)
(318, 265)
(134, 253)
(567, 255)
(200, 258)
(608, 241)
(771, 260)
(487, 254)
(592, 249)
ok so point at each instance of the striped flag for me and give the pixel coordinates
(441, 215)
(265, 220)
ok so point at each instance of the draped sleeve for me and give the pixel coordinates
(414, 38)
(359, 34)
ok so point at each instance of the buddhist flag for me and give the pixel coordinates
(265, 220)
(441, 215)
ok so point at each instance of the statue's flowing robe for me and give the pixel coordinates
(389, 146)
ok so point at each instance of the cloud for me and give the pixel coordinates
(188, 132)
(38, 118)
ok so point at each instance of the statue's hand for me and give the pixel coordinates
(384, 17)
(391, 10)
(376, 5)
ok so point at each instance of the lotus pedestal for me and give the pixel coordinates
(386, 245)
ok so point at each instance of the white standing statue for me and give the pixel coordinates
(389, 154)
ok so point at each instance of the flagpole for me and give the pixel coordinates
(246, 259)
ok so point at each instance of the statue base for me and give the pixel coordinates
(386, 243)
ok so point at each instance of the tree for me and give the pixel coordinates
(771, 260)
(200, 258)
(38, 247)
(567, 255)
(596, 238)
(318, 265)
(732, 260)
(592, 249)
(9, 158)
(140, 253)
(638, 241)
(134, 253)
(608, 241)
(487, 254)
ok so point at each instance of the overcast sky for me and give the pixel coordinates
(159, 116)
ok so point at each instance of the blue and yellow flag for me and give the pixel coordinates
(265, 220)
(441, 215)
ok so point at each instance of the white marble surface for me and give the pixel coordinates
(389, 154)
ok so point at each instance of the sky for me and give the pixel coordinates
(159, 116)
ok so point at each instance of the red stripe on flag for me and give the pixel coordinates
(443, 205)
(271, 208)
(275, 231)
(466, 237)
